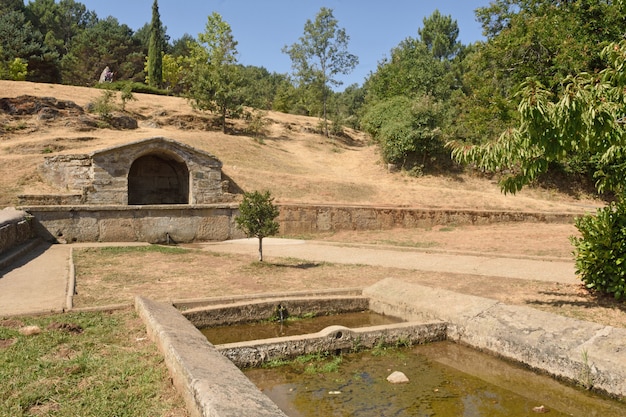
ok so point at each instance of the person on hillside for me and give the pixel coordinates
(106, 76)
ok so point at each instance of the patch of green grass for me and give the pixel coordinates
(407, 244)
(142, 249)
(320, 363)
(275, 363)
(108, 369)
(15, 127)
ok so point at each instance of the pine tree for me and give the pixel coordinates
(155, 49)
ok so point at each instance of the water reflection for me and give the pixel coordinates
(293, 327)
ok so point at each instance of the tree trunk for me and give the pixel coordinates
(224, 119)
(325, 98)
(260, 249)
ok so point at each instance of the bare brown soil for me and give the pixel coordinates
(104, 278)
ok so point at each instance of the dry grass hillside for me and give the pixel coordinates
(293, 162)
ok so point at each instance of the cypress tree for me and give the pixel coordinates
(155, 49)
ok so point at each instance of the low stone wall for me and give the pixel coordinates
(247, 311)
(211, 385)
(188, 223)
(304, 219)
(153, 224)
(16, 227)
(331, 339)
(585, 353)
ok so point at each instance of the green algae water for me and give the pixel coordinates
(293, 327)
(445, 380)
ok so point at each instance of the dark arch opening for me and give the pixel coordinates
(158, 179)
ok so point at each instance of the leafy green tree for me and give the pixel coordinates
(259, 87)
(485, 104)
(106, 43)
(15, 70)
(19, 39)
(156, 49)
(550, 40)
(257, 215)
(410, 71)
(7, 6)
(59, 22)
(407, 130)
(321, 55)
(542, 39)
(587, 118)
(348, 104)
(181, 46)
(215, 78)
(440, 35)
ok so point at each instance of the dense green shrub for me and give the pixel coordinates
(407, 130)
(601, 250)
(135, 87)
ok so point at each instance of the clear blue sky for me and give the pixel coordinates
(263, 27)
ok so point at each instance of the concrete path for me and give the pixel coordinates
(39, 281)
(406, 258)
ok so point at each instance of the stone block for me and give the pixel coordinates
(211, 385)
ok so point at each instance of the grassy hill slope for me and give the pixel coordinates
(293, 162)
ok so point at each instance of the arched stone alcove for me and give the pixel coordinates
(146, 172)
(158, 179)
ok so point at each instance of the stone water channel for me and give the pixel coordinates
(445, 379)
(445, 333)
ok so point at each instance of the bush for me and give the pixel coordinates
(134, 87)
(600, 252)
(104, 105)
(256, 217)
(408, 129)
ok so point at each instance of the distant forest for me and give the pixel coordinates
(429, 91)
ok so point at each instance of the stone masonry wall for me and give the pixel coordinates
(153, 224)
(305, 219)
(16, 228)
(188, 223)
(101, 178)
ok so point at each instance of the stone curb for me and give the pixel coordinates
(588, 354)
(331, 339)
(211, 385)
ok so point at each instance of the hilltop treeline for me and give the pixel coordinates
(429, 90)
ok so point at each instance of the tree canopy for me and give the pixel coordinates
(321, 55)
(257, 214)
(216, 78)
(156, 48)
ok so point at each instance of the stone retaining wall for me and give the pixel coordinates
(153, 224)
(247, 311)
(335, 339)
(304, 219)
(16, 227)
(188, 223)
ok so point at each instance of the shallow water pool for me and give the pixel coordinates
(445, 380)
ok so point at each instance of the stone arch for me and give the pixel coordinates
(158, 178)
